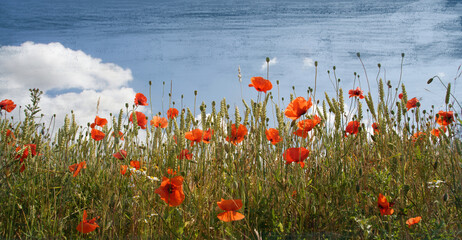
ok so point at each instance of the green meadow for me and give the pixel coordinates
(317, 175)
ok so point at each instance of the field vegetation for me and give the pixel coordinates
(305, 167)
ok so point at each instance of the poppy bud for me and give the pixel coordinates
(430, 81)
(358, 54)
(445, 197)
(402, 54)
(378, 65)
(357, 188)
(181, 96)
(267, 59)
(424, 111)
(334, 68)
(354, 73)
(277, 82)
(339, 80)
(126, 105)
(392, 112)
(163, 83)
(195, 92)
(328, 72)
(315, 63)
(150, 83)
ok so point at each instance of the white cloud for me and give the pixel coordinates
(272, 62)
(308, 62)
(77, 79)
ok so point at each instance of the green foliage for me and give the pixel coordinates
(333, 197)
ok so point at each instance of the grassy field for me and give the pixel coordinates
(307, 167)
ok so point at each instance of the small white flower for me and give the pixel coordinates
(152, 178)
(136, 196)
(434, 183)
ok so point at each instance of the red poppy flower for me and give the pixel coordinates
(308, 124)
(75, 168)
(273, 136)
(297, 155)
(237, 134)
(123, 169)
(135, 164)
(384, 205)
(445, 118)
(356, 93)
(10, 138)
(297, 108)
(159, 122)
(97, 134)
(140, 118)
(171, 190)
(412, 221)
(121, 135)
(28, 147)
(7, 105)
(87, 226)
(400, 96)
(195, 136)
(184, 154)
(375, 126)
(352, 128)
(172, 172)
(299, 132)
(261, 84)
(230, 207)
(122, 154)
(172, 113)
(437, 132)
(140, 99)
(207, 136)
(418, 135)
(99, 122)
(412, 103)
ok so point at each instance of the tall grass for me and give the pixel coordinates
(334, 196)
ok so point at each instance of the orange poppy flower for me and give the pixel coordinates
(123, 169)
(121, 135)
(97, 134)
(122, 154)
(261, 84)
(297, 108)
(75, 168)
(445, 118)
(352, 128)
(7, 105)
(299, 132)
(237, 134)
(375, 126)
(28, 147)
(230, 207)
(400, 96)
(308, 124)
(437, 132)
(185, 155)
(135, 164)
(297, 155)
(418, 135)
(86, 226)
(171, 190)
(99, 122)
(140, 99)
(412, 221)
(172, 113)
(273, 136)
(356, 93)
(384, 205)
(195, 136)
(140, 118)
(159, 122)
(10, 138)
(207, 136)
(412, 103)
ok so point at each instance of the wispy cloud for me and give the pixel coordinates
(78, 78)
(272, 62)
(308, 62)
